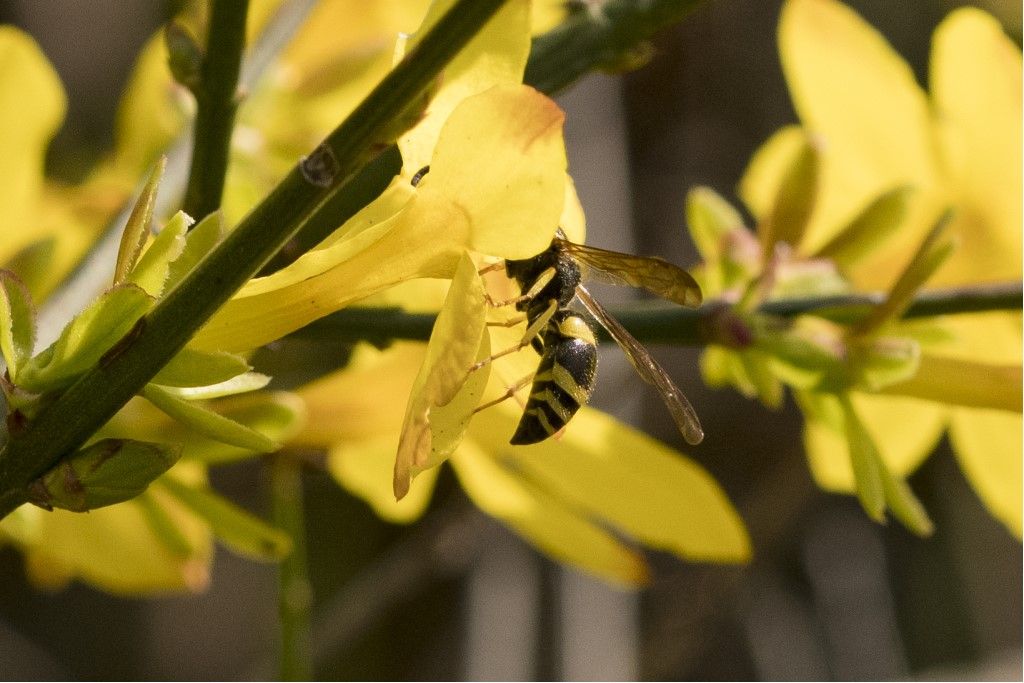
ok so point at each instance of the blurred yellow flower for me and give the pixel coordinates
(879, 163)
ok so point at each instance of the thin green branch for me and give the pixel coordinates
(65, 424)
(668, 324)
(606, 34)
(294, 590)
(602, 36)
(216, 102)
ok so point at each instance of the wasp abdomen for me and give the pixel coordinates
(564, 379)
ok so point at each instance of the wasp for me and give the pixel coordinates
(566, 342)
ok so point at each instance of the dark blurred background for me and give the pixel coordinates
(830, 595)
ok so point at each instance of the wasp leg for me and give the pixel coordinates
(531, 333)
(538, 284)
(500, 265)
(511, 322)
(509, 393)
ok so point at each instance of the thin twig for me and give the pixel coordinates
(294, 591)
(216, 102)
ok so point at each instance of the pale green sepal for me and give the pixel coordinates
(136, 230)
(870, 230)
(17, 322)
(904, 505)
(193, 368)
(239, 530)
(932, 253)
(152, 269)
(207, 422)
(867, 463)
(885, 361)
(107, 472)
(198, 242)
(240, 384)
(278, 415)
(164, 527)
(710, 218)
(107, 325)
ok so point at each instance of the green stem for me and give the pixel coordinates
(294, 590)
(216, 102)
(667, 324)
(65, 424)
(601, 35)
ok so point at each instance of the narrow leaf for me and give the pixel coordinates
(105, 327)
(193, 368)
(136, 230)
(870, 230)
(152, 269)
(867, 464)
(794, 201)
(33, 265)
(239, 530)
(932, 253)
(278, 415)
(17, 322)
(207, 422)
(198, 242)
(904, 504)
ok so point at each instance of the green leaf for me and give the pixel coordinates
(107, 472)
(102, 328)
(207, 422)
(867, 463)
(278, 415)
(17, 322)
(136, 230)
(766, 384)
(194, 368)
(152, 269)
(164, 528)
(870, 230)
(198, 242)
(237, 529)
(794, 201)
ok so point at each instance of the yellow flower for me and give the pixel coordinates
(886, 163)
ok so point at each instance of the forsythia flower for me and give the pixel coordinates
(881, 166)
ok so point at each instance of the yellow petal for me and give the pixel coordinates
(763, 175)
(496, 56)
(339, 409)
(447, 390)
(988, 445)
(636, 484)
(905, 430)
(963, 383)
(32, 106)
(497, 186)
(364, 467)
(545, 520)
(116, 549)
(860, 99)
(976, 85)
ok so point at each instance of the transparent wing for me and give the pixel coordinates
(682, 412)
(654, 274)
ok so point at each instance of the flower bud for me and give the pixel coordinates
(107, 472)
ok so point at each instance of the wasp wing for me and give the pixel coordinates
(682, 412)
(654, 274)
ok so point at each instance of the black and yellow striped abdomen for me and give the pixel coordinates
(564, 379)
